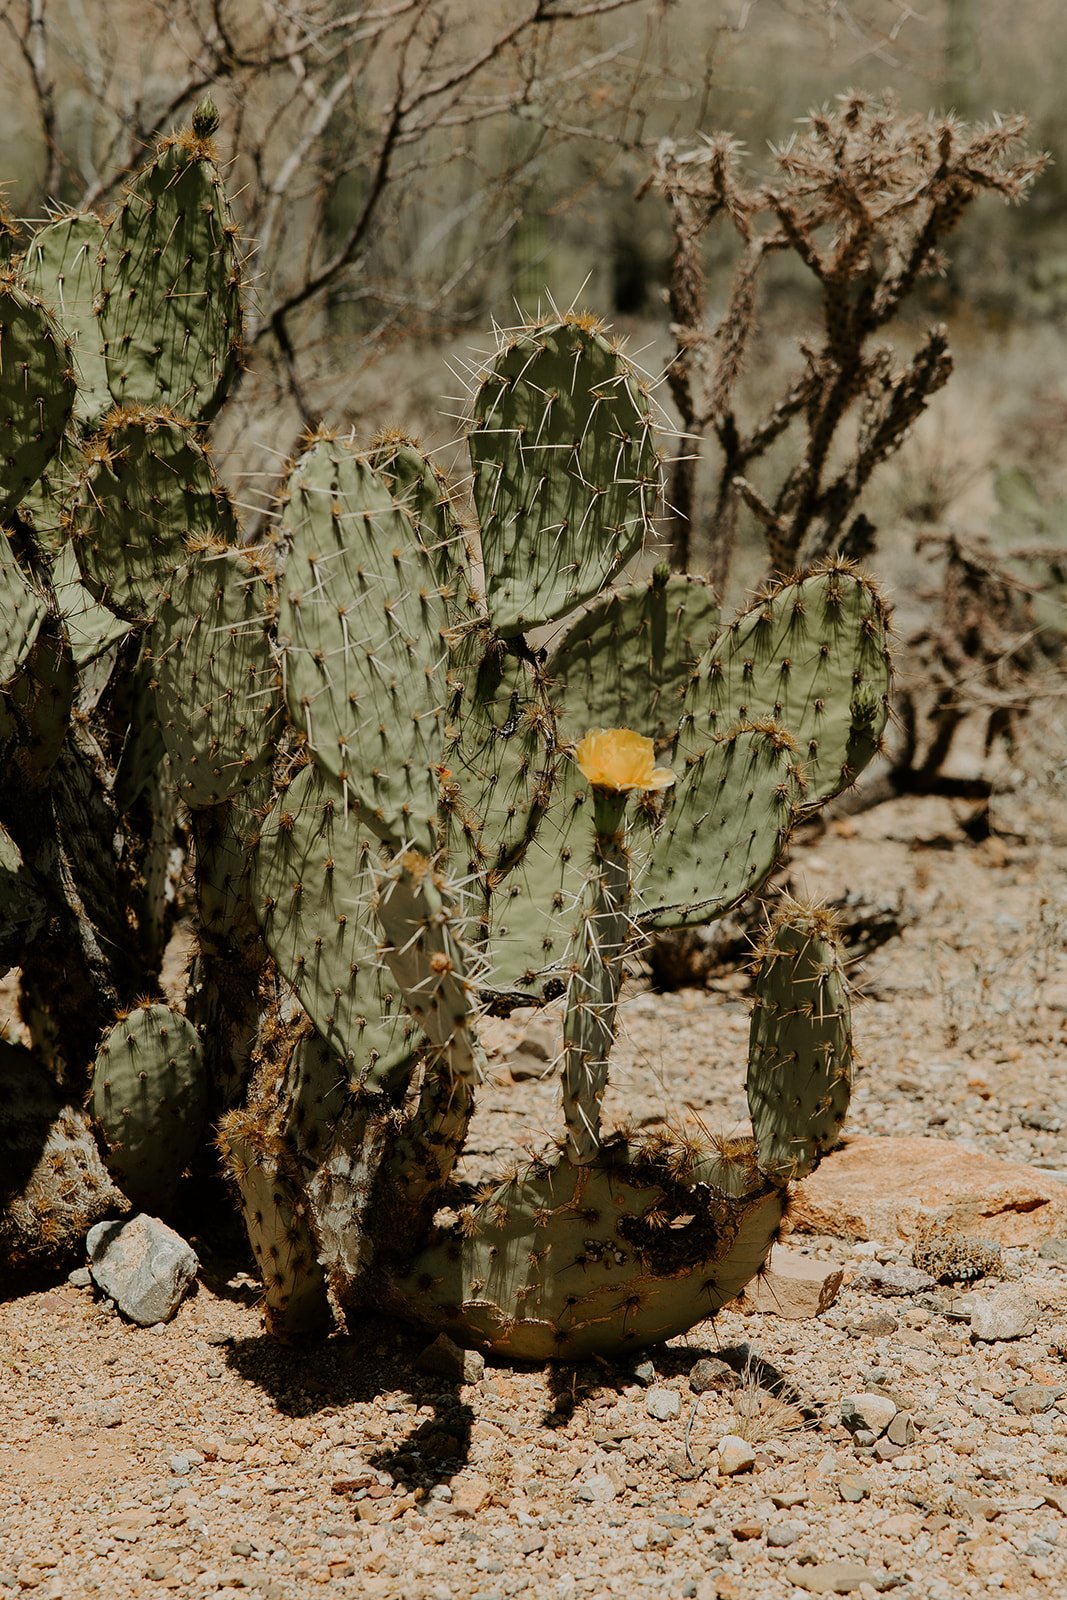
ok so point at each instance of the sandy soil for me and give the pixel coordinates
(201, 1459)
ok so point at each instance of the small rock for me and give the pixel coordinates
(747, 1530)
(879, 1323)
(143, 1266)
(892, 1278)
(886, 1450)
(831, 1577)
(597, 1489)
(80, 1278)
(709, 1374)
(109, 1415)
(445, 1359)
(867, 1412)
(854, 1489)
(470, 1494)
(1054, 1250)
(1034, 1398)
(792, 1285)
(530, 1543)
(1008, 1314)
(787, 1498)
(540, 1041)
(644, 1373)
(901, 1431)
(783, 1534)
(184, 1462)
(735, 1455)
(663, 1404)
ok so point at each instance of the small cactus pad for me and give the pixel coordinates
(566, 476)
(22, 610)
(313, 884)
(800, 1043)
(810, 654)
(364, 625)
(150, 1099)
(170, 272)
(626, 661)
(37, 389)
(214, 673)
(414, 481)
(61, 266)
(148, 495)
(564, 1262)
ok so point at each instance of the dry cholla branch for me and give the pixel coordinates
(865, 198)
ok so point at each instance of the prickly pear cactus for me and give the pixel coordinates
(403, 760)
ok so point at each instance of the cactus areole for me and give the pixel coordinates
(398, 811)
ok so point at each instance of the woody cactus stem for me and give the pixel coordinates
(593, 989)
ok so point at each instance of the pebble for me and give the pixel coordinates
(1008, 1314)
(831, 1577)
(735, 1455)
(663, 1404)
(80, 1278)
(901, 1431)
(1034, 1398)
(853, 1489)
(143, 1266)
(868, 1413)
(445, 1359)
(783, 1534)
(597, 1489)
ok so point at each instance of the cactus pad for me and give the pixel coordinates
(148, 495)
(566, 476)
(61, 265)
(313, 882)
(800, 1043)
(37, 390)
(150, 1099)
(365, 629)
(170, 271)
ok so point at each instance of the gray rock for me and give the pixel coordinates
(1054, 1250)
(1034, 1398)
(870, 1413)
(894, 1279)
(597, 1489)
(784, 1534)
(854, 1489)
(1008, 1314)
(143, 1266)
(80, 1278)
(709, 1373)
(901, 1430)
(663, 1404)
(832, 1577)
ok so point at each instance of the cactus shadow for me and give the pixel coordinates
(374, 1366)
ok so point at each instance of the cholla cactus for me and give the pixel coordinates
(398, 815)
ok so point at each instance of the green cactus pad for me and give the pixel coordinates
(365, 630)
(214, 672)
(724, 833)
(24, 912)
(313, 882)
(37, 390)
(800, 1043)
(61, 266)
(35, 710)
(812, 655)
(22, 610)
(147, 497)
(413, 480)
(502, 757)
(564, 1262)
(150, 1098)
(92, 629)
(170, 273)
(566, 476)
(626, 661)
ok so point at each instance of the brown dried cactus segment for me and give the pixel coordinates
(170, 273)
(147, 495)
(37, 390)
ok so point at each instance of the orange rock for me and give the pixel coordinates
(877, 1188)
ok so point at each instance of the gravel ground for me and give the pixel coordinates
(200, 1458)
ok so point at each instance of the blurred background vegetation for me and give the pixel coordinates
(408, 171)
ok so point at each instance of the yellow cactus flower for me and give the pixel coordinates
(618, 758)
